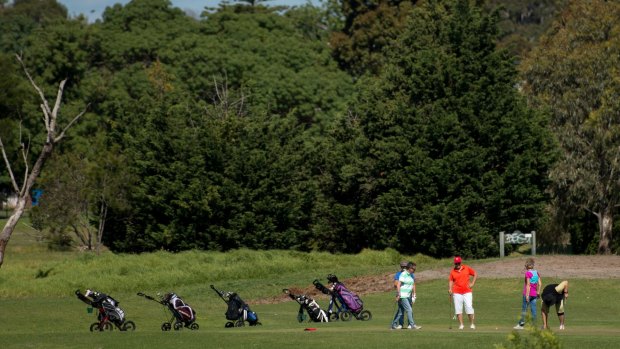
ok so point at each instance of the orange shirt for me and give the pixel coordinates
(461, 279)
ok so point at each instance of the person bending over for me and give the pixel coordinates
(554, 294)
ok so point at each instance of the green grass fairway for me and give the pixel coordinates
(38, 308)
(43, 322)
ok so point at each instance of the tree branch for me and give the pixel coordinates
(44, 106)
(76, 118)
(27, 168)
(61, 89)
(8, 166)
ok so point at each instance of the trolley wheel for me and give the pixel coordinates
(128, 326)
(178, 326)
(106, 327)
(239, 323)
(333, 317)
(166, 326)
(346, 316)
(194, 326)
(229, 324)
(365, 315)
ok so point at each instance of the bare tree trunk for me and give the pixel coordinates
(606, 223)
(102, 216)
(22, 198)
(51, 123)
(10, 225)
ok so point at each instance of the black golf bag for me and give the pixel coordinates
(109, 313)
(315, 313)
(182, 314)
(238, 312)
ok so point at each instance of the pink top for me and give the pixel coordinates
(533, 276)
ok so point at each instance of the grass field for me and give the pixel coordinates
(38, 308)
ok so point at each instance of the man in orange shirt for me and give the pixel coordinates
(459, 287)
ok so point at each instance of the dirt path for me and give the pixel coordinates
(551, 266)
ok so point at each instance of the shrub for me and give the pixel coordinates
(531, 338)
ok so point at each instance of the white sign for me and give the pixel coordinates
(517, 238)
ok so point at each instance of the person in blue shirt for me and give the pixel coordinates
(406, 293)
(399, 319)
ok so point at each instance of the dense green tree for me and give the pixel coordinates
(364, 30)
(22, 17)
(216, 122)
(283, 69)
(453, 155)
(574, 71)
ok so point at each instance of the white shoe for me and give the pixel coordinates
(397, 327)
(416, 327)
(561, 327)
(472, 326)
(518, 327)
(461, 327)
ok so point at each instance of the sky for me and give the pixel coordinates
(93, 9)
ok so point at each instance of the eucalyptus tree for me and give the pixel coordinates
(574, 72)
(218, 118)
(54, 133)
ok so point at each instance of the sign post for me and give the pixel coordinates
(516, 238)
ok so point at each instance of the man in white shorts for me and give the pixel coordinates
(460, 288)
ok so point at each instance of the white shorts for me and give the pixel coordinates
(463, 299)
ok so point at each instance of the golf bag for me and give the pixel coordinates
(109, 313)
(182, 314)
(345, 302)
(238, 312)
(311, 307)
(352, 301)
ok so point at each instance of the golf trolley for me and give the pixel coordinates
(109, 314)
(338, 300)
(238, 312)
(182, 314)
(308, 304)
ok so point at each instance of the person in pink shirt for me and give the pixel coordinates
(532, 283)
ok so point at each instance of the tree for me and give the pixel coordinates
(222, 167)
(53, 136)
(366, 29)
(453, 155)
(574, 72)
(23, 17)
(80, 188)
(524, 21)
